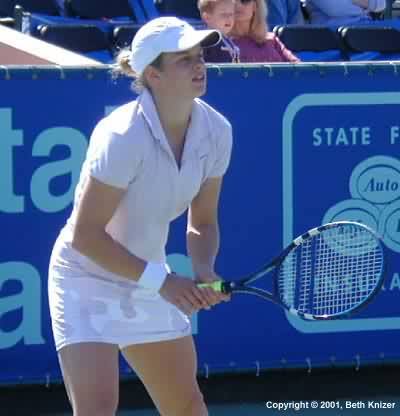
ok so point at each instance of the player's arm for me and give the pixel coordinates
(203, 234)
(98, 204)
(203, 229)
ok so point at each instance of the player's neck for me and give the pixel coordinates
(174, 117)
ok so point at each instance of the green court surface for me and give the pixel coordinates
(369, 391)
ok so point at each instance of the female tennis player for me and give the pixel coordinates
(109, 285)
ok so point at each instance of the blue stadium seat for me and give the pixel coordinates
(312, 43)
(6, 8)
(138, 10)
(185, 8)
(95, 9)
(122, 35)
(85, 39)
(150, 9)
(34, 6)
(371, 42)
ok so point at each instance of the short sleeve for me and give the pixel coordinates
(114, 159)
(223, 147)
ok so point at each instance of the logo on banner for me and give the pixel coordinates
(357, 178)
(375, 199)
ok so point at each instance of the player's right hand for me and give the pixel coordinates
(184, 294)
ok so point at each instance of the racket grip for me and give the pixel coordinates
(217, 286)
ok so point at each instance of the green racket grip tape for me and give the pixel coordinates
(217, 286)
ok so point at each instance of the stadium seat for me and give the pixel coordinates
(150, 9)
(371, 42)
(122, 35)
(371, 38)
(85, 39)
(317, 41)
(138, 11)
(394, 9)
(96, 9)
(307, 37)
(6, 8)
(7, 21)
(186, 8)
(32, 6)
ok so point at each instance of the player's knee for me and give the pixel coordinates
(194, 405)
(99, 405)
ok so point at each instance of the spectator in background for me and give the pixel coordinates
(342, 12)
(250, 33)
(220, 15)
(284, 12)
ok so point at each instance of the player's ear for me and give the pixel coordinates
(152, 74)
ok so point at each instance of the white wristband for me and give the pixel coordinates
(153, 276)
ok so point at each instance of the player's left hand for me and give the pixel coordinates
(206, 275)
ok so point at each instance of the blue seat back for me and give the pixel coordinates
(98, 9)
(34, 6)
(312, 42)
(150, 9)
(181, 8)
(79, 38)
(371, 43)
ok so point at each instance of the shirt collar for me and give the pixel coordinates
(198, 128)
(148, 108)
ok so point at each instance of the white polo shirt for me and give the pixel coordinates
(129, 150)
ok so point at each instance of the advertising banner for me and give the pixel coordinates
(312, 144)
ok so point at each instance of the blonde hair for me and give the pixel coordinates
(122, 67)
(258, 25)
(208, 6)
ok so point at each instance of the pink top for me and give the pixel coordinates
(273, 50)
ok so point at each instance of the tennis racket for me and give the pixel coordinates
(329, 272)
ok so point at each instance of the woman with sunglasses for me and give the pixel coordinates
(250, 34)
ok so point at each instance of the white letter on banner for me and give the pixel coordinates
(29, 300)
(9, 202)
(395, 284)
(394, 134)
(41, 178)
(317, 137)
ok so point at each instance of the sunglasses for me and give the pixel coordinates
(245, 1)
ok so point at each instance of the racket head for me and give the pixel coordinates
(330, 271)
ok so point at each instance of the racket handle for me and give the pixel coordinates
(218, 286)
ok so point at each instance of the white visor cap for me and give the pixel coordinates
(166, 34)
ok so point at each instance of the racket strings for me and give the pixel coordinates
(332, 272)
(347, 270)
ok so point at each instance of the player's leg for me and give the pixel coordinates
(91, 377)
(168, 371)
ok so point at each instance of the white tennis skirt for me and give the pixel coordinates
(87, 308)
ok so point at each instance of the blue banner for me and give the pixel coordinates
(312, 144)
